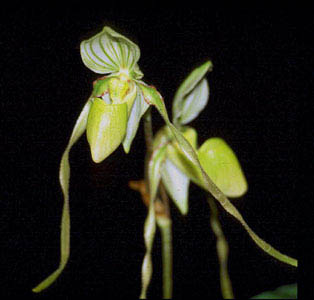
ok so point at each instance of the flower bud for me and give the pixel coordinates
(108, 116)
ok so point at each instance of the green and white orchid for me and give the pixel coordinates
(111, 117)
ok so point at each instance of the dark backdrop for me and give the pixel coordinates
(255, 86)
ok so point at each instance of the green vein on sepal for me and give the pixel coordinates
(110, 52)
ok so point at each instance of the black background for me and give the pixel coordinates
(256, 87)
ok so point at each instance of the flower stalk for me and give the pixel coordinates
(162, 211)
(222, 250)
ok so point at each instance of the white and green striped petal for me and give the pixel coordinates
(110, 52)
(137, 111)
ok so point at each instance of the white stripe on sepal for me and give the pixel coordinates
(109, 52)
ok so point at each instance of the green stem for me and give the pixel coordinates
(163, 219)
(222, 251)
(164, 224)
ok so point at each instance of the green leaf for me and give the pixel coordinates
(284, 292)
(186, 87)
(64, 177)
(190, 153)
(176, 184)
(138, 109)
(111, 52)
(106, 128)
(222, 166)
(154, 166)
(194, 102)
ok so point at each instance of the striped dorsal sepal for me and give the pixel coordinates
(111, 52)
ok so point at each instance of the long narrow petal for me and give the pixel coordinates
(64, 177)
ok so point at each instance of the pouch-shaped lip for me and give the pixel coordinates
(106, 128)
(222, 166)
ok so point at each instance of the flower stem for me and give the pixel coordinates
(162, 210)
(164, 224)
(222, 251)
